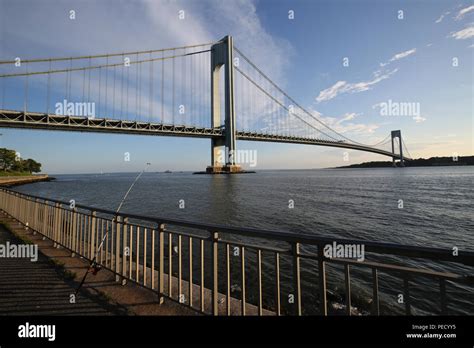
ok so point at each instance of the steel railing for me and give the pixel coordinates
(240, 271)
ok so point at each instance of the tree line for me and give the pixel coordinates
(10, 161)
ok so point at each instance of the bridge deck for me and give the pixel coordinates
(32, 120)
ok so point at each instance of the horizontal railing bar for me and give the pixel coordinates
(464, 257)
(187, 234)
(402, 269)
(255, 247)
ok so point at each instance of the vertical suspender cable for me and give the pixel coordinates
(25, 103)
(100, 86)
(121, 87)
(113, 93)
(139, 89)
(48, 89)
(172, 80)
(89, 85)
(106, 85)
(150, 108)
(162, 88)
(128, 85)
(136, 89)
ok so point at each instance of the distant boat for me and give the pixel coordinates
(168, 171)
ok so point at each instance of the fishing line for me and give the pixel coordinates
(93, 266)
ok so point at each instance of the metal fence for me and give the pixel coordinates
(239, 271)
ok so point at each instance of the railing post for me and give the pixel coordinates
(124, 255)
(322, 280)
(56, 225)
(161, 281)
(74, 232)
(296, 276)
(34, 225)
(44, 232)
(117, 248)
(92, 234)
(215, 284)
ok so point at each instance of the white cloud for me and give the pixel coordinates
(343, 127)
(348, 116)
(419, 119)
(441, 17)
(398, 56)
(462, 12)
(332, 91)
(402, 55)
(342, 87)
(463, 34)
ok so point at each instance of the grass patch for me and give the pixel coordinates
(3, 173)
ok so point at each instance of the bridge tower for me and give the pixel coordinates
(222, 58)
(397, 134)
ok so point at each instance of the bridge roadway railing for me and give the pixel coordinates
(240, 271)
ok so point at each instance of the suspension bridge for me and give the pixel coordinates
(210, 90)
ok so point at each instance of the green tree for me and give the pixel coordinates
(10, 162)
(31, 166)
(7, 159)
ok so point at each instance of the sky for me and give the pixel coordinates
(343, 60)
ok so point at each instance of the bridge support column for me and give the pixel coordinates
(222, 56)
(397, 134)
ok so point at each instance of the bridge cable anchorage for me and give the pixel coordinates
(93, 266)
(293, 101)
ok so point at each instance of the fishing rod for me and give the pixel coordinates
(93, 266)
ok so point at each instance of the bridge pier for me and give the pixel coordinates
(222, 57)
(397, 134)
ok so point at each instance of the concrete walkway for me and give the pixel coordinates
(44, 287)
(39, 288)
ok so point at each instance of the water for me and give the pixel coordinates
(438, 205)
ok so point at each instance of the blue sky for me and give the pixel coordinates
(403, 60)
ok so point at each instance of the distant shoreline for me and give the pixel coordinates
(420, 162)
(8, 181)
